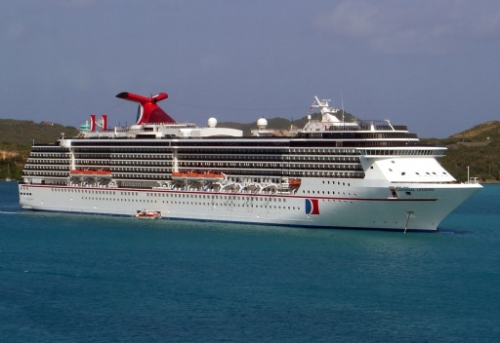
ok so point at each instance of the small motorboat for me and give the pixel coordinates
(147, 214)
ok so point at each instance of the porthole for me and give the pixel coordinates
(403, 173)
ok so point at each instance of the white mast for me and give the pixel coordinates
(327, 112)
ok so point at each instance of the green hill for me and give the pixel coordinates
(16, 137)
(482, 132)
(478, 148)
(23, 132)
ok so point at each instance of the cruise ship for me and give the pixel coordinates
(331, 173)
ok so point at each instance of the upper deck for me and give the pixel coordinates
(354, 133)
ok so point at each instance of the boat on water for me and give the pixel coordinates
(331, 173)
(147, 214)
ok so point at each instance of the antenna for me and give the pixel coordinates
(342, 100)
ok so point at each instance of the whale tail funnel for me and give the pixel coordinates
(149, 111)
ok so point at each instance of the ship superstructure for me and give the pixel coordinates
(331, 173)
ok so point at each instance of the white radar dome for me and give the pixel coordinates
(261, 123)
(212, 122)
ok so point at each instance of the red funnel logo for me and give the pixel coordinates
(312, 206)
(149, 111)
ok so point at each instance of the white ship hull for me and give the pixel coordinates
(355, 206)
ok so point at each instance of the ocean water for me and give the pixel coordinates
(83, 278)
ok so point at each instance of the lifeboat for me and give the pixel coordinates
(213, 177)
(75, 172)
(147, 214)
(294, 182)
(190, 176)
(102, 173)
(179, 176)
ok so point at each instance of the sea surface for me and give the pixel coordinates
(88, 278)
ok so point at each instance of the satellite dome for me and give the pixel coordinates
(212, 122)
(261, 123)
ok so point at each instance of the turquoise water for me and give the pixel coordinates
(76, 278)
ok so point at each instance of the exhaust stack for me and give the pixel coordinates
(149, 112)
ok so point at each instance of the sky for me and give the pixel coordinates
(431, 65)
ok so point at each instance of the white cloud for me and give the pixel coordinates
(391, 26)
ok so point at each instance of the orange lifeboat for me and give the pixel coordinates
(179, 176)
(213, 176)
(102, 173)
(192, 176)
(146, 214)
